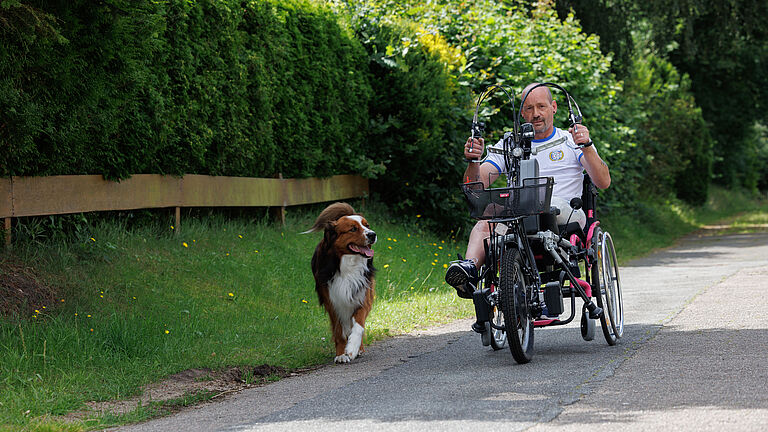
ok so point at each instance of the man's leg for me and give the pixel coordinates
(462, 274)
(475, 246)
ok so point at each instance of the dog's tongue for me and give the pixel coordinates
(365, 250)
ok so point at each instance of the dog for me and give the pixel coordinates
(344, 275)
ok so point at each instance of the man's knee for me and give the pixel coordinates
(481, 227)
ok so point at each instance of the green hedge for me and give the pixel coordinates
(209, 87)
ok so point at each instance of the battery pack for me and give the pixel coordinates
(553, 297)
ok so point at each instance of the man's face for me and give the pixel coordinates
(540, 111)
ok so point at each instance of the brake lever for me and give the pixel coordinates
(477, 132)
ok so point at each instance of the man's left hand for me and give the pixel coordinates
(581, 136)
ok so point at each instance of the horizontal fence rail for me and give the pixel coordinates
(52, 195)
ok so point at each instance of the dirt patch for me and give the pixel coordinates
(206, 384)
(22, 290)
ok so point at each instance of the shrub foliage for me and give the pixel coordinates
(302, 88)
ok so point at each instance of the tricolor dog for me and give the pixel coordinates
(344, 275)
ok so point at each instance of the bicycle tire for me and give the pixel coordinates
(514, 298)
(607, 287)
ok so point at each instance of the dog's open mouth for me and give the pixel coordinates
(362, 250)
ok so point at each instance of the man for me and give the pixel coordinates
(563, 155)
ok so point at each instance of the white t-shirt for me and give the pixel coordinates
(559, 158)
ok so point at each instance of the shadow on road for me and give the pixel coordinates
(563, 368)
(709, 369)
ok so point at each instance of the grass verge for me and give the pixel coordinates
(135, 304)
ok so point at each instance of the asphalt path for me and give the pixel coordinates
(694, 356)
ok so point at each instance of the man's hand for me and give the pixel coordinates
(580, 136)
(473, 148)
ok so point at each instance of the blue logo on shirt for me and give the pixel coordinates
(556, 155)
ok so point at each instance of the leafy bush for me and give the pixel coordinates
(510, 45)
(670, 130)
(415, 118)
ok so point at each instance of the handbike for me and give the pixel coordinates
(532, 263)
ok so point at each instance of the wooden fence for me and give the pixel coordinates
(39, 196)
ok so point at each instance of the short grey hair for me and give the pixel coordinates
(530, 86)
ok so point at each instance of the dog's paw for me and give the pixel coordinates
(352, 353)
(342, 359)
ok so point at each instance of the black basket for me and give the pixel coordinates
(532, 198)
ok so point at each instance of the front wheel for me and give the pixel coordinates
(515, 301)
(605, 277)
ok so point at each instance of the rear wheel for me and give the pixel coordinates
(494, 337)
(607, 284)
(515, 299)
(498, 337)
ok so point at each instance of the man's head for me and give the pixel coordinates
(539, 109)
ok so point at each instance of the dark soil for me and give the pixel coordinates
(208, 382)
(22, 290)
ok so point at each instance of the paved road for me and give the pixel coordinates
(694, 357)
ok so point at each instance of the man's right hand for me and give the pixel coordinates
(473, 148)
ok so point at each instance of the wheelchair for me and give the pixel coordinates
(532, 264)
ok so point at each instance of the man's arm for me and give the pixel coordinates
(597, 169)
(477, 171)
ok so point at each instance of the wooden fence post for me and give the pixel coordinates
(278, 213)
(7, 227)
(178, 221)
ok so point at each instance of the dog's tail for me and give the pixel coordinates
(331, 213)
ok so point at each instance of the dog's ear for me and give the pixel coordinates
(330, 236)
(325, 262)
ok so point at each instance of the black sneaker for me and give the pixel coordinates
(462, 275)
